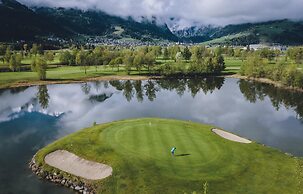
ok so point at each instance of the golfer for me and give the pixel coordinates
(173, 151)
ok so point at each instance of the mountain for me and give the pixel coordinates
(195, 34)
(19, 22)
(97, 23)
(280, 31)
(22, 23)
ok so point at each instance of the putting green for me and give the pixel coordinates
(139, 153)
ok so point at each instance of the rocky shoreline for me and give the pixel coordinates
(79, 187)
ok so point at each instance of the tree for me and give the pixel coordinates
(267, 54)
(49, 56)
(118, 62)
(8, 54)
(289, 75)
(186, 54)
(165, 53)
(25, 47)
(138, 61)
(197, 54)
(149, 60)
(173, 51)
(299, 58)
(34, 49)
(157, 50)
(15, 62)
(296, 54)
(82, 60)
(67, 58)
(39, 65)
(230, 52)
(218, 50)
(208, 65)
(254, 66)
(128, 60)
(98, 57)
(2, 49)
(219, 64)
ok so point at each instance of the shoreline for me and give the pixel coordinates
(57, 176)
(138, 77)
(266, 81)
(89, 79)
(70, 182)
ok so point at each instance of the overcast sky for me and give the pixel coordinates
(218, 12)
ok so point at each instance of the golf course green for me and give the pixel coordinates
(138, 151)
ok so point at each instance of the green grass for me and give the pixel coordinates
(232, 64)
(225, 39)
(65, 73)
(139, 152)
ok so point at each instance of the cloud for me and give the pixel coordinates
(217, 12)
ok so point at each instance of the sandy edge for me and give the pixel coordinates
(230, 136)
(73, 164)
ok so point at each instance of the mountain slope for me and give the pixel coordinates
(21, 23)
(280, 31)
(97, 23)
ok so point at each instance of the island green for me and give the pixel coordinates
(138, 150)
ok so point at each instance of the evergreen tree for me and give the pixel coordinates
(186, 53)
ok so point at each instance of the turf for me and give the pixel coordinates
(139, 152)
(65, 73)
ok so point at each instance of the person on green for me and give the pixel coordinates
(173, 151)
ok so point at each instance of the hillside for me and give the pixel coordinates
(97, 23)
(280, 31)
(18, 22)
(22, 23)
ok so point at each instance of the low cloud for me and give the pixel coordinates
(217, 12)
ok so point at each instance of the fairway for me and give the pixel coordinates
(139, 153)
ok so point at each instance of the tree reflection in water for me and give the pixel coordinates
(254, 91)
(150, 88)
(43, 96)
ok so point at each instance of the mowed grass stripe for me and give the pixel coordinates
(229, 167)
(195, 146)
(165, 144)
(182, 145)
(150, 138)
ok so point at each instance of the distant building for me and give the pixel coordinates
(256, 47)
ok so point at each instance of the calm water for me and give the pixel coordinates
(30, 118)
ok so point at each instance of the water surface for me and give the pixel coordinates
(33, 117)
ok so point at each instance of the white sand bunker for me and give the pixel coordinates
(230, 136)
(77, 166)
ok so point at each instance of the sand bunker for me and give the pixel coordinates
(230, 136)
(77, 166)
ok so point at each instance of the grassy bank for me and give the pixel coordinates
(61, 74)
(139, 153)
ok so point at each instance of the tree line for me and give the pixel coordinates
(175, 59)
(37, 55)
(284, 71)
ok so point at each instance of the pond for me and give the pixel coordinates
(33, 117)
